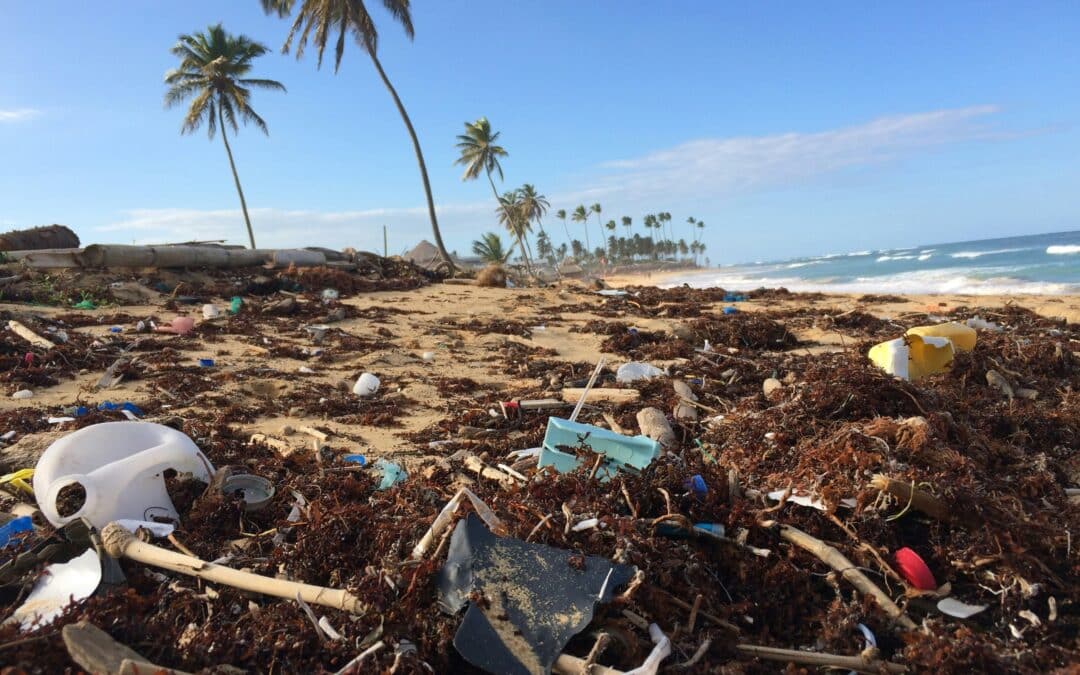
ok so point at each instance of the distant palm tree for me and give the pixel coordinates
(480, 154)
(535, 204)
(627, 222)
(595, 208)
(351, 16)
(701, 230)
(212, 67)
(490, 248)
(561, 215)
(513, 217)
(610, 225)
(580, 215)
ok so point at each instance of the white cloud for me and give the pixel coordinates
(459, 223)
(17, 114)
(721, 166)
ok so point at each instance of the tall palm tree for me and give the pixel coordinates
(347, 17)
(212, 70)
(580, 215)
(561, 215)
(701, 230)
(627, 222)
(480, 154)
(490, 248)
(595, 208)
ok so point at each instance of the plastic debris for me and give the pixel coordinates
(119, 466)
(536, 597)
(235, 304)
(85, 304)
(612, 293)
(17, 480)
(912, 356)
(660, 651)
(181, 325)
(210, 312)
(634, 371)
(10, 530)
(963, 337)
(805, 500)
(206, 363)
(355, 459)
(914, 570)
(960, 610)
(730, 310)
(61, 585)
(256, 491)
(982, 324)
(23, 394)
(116, 329)
(620, 452)
(157, 529)
(428, 356)
(125, 407)
(696, 484)
(329, 295)
(391, 473)
(366, 385)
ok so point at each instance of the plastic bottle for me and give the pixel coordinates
(119, 465)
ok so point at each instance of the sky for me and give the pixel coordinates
(789, 128)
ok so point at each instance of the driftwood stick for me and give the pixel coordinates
(920, 500)
(688, 607)
(119, 542)
(847, 569)
(29, 335)
(856, 663)
(567, 664)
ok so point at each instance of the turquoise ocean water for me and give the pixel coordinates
(1043, 263)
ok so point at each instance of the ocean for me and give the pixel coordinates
(1046, 264)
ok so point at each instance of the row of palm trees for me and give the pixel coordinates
(214, 66)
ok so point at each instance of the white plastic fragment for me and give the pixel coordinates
(979, 323)
(658, 654)
(635, 370)
(61, 585)
(428, 357)
(366, 386)
(331, 633)
(805, 500)
(586, 524)
(961, 610)
(23, 394)
(156, 529)
(305, 370)
(60, 420)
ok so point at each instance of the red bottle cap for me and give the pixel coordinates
(915, 570)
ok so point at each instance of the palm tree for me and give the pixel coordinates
(595, 208)
(351, 17)
(534, 204)
(561, 215)
(513, 217)
(490, 248)
(580, 215)
(627, 221)
(212, 70)
(701, 230)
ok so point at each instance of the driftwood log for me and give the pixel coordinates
(37, 238)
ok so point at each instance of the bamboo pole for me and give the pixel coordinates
(119, 542)
(856, 663)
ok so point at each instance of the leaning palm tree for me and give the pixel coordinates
(351, 17)
(580, 215)
(490, 248)
(595, 208)
(212, 70)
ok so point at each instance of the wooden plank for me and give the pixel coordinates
(572, 394)
(29, 335)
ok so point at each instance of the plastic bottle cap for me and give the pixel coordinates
(915, 570)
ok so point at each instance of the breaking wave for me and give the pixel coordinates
(1062, 250)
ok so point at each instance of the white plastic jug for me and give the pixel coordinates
(366, 385)
(119, 465)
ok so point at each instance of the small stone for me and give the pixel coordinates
(683, 332)
(770, 385)
(286, 430)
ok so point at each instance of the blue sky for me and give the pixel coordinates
(790, 128)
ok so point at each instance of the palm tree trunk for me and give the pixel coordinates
(419, 160)
(521, 244)
(567, 229)
(236, 177)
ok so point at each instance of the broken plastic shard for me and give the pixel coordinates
(913, 356)
(62, 584)
(960, 610)
(635, 370)
(535, 597)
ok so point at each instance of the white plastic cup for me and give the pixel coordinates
(210, 312)
(366, 386)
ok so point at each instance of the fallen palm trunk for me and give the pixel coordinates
(120, 256)
(119, 542)
(919, 500)
(847, 569)
(856, 663)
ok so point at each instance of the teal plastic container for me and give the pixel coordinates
(621, 452)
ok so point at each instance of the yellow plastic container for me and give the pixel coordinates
(962, 337)
(913, 356)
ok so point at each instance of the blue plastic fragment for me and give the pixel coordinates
(730, 310)
(206, 363)
(355, 459)
(110, 406)
(621, 452)
(697, 484)
(116, 329)
(15, 527)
